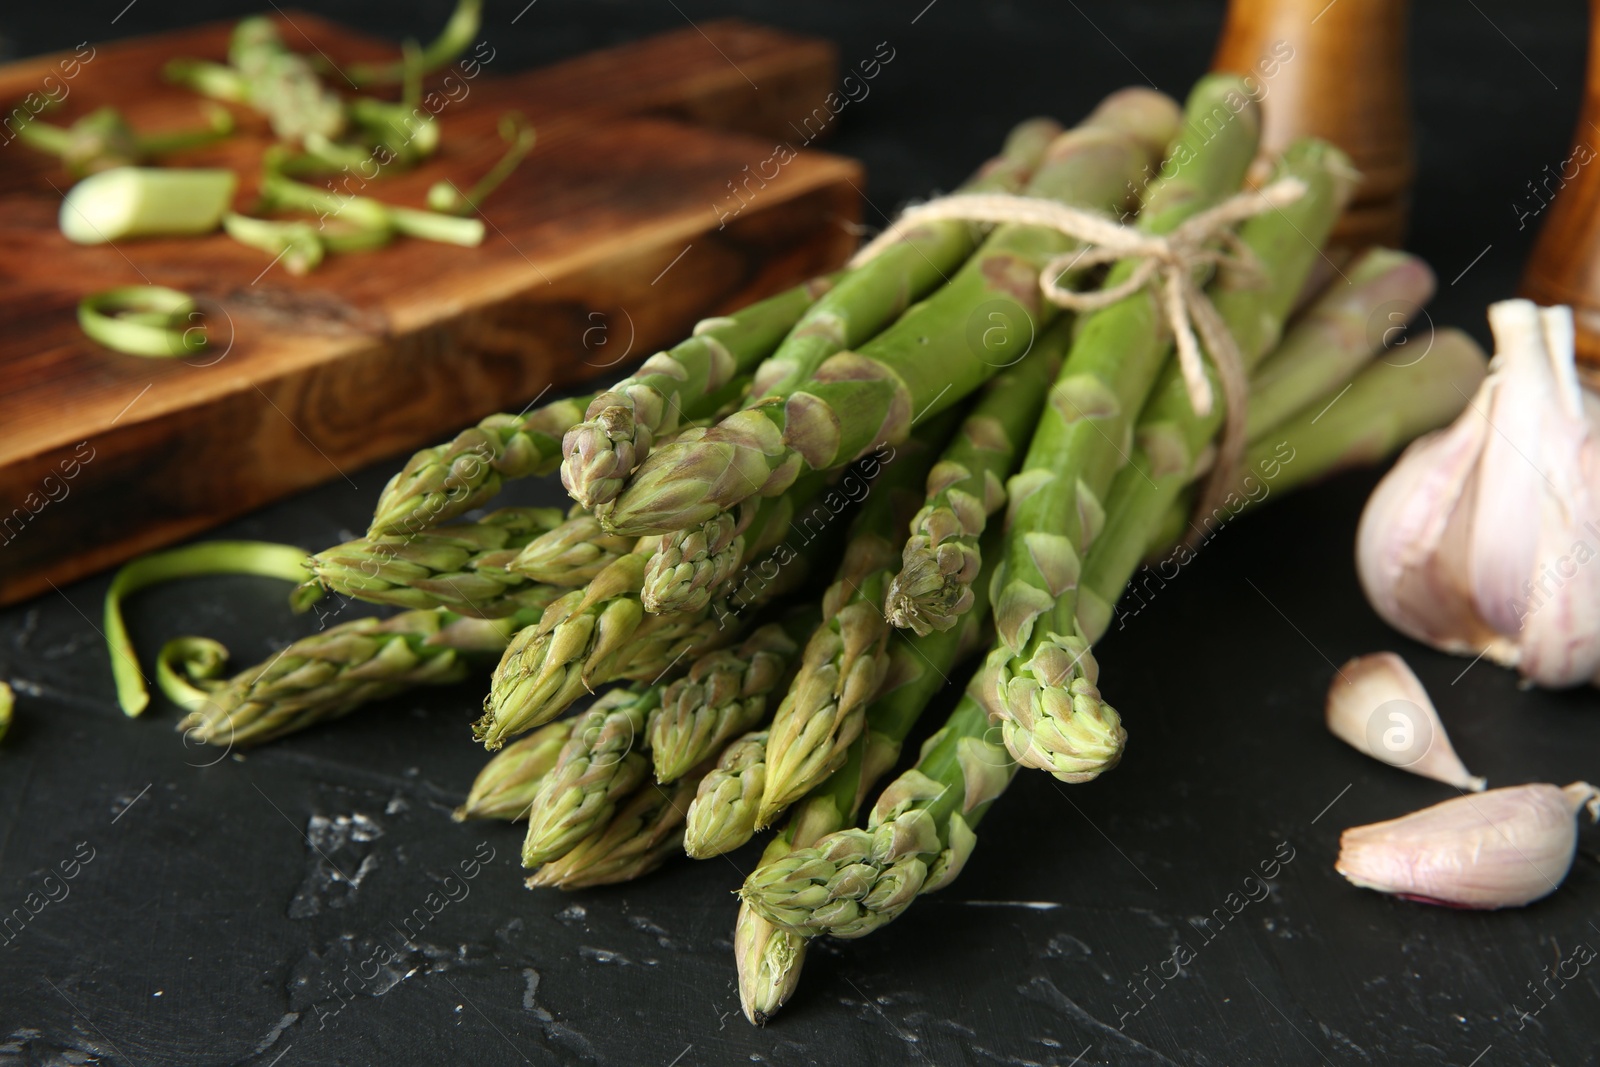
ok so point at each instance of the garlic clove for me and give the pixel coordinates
(1411, 541)
(1511, 480)
(1559, 606)
(1499, 849)
(1377, 705)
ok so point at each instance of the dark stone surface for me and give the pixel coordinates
(206, 930)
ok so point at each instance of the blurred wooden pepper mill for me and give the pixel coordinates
(1565, 265)
(1336, 71)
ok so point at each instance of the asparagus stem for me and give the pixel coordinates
(725, 693)
(934, 355)
(509, 782)
(1051, 714)
(457, 34)
(1339, 327)
(145, 202)
(464, 567)
(256, 558)
(519, 136)
(941, 558)
(621, 424)
(599, 763)
(331, 673)
(867, 299)
(845, 659)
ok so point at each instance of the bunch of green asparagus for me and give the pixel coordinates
(867, 430)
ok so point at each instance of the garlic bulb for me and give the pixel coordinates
(1479, 540)
(1499, 849)
(1378, 706)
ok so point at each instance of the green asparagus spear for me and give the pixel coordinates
(622, 424)
(725, 693)
(439, 483)
(464, 567)
(770, 957)
(967, 485)
(646, 830)
(846, 657)
(506, 786)
(331, 673)
(1050, 711)
(600, 763)
(921, 829)
(722, 815)
(571, 553)
(938, 352)
(1382, 290)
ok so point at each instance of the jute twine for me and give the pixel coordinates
(1167, 264)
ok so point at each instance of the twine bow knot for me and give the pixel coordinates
(1166, 263)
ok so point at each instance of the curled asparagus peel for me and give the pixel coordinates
(935, 354)
(600, 762)
(463, 567)
(508, 783)
(622, 424)
(453, 39)
(331, 673)
(102, 139)
(256, 558)
(519, 137)
(726, 692)
(941, 560)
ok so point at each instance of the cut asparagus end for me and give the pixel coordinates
(145, 202)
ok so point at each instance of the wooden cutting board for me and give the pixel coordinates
(617, 233)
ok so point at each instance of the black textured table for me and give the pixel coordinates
(230, 913)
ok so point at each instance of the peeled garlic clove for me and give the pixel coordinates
(1378, 706)
(1410, 545)
(1499, 849)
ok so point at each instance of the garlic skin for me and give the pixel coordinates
(1377, 705)
(1501, 849)
(1481, 539)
